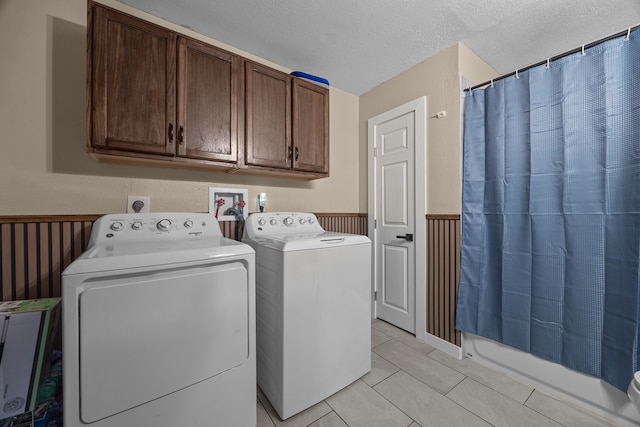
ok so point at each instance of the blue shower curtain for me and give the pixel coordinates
(551, 211)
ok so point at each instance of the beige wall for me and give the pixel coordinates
(439, 79)
(44, 168)
(472, 67)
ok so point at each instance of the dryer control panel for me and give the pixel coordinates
(263, 224)
(138, 227)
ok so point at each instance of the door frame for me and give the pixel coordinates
(419, 107)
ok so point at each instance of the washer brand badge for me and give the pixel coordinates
(13, 405)
(196, 233)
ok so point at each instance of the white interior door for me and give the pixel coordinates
(398, 208)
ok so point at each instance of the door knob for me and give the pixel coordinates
(407, 237)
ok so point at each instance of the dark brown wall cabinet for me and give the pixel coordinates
(158, 96)
(287, 121)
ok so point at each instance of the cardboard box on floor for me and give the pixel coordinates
(27, 331)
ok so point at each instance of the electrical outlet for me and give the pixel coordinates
(138, 204)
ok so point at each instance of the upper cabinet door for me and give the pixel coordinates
(208, 81)
(132, 93)
(310, 127)
(268, 117)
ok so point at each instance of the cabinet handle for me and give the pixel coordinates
(181, 135)
(297, 153)
(289, 153)
(170, 132)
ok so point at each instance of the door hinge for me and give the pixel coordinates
(375, 151)
(375, 223)
(375, 295)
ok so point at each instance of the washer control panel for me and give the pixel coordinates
(270, 223)
(136, 227)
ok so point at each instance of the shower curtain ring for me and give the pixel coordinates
(491, 83)
(548, 65)
(628, 33)
(583, 54)
(517, 76)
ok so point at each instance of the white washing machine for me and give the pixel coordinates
(158, 325)
(313, 316)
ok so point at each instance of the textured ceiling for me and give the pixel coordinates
(358, 44)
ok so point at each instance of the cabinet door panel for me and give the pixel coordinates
(310, 126)
(268, 117)
(133, 84)
(207, 102)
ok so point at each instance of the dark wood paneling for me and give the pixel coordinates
(443, 276)
(34, 250)
(34, 254)
(344, 223)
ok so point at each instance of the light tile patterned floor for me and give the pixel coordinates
(413, 385)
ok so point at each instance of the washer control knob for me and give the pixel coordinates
(136, 225)
(261, 222)
(164, 225)
(288, 221)
(273, 221)
(311, 220)
(117, 226)
(302, 221)
(188, 224)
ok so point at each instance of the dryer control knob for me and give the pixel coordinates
(164, 225)
(288, 221)
(311, 221)
(273, 221)
(302, 221)
(117, 226)
(136, 225)
(261, 222)
(188, 224)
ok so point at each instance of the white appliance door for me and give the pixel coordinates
(148, 335)
(326, 323)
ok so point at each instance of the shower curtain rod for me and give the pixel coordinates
(562, 55)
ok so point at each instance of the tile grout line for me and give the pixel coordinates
(523, 404)
(487, 385)
(436, 391)
(334, 411)
(445, 394)
(390, 402)
(425, 384)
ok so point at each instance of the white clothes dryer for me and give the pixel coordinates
(158, 325)
(313, 299)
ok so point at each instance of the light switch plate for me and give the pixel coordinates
(134, 202)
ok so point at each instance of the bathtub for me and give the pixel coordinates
(572, 386)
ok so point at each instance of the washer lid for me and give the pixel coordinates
(118, 256)
(306, 241)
